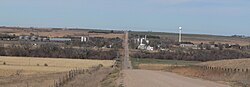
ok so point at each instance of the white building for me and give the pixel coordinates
(83, 39)
(149, 48)
(143, 45)
(188, 45)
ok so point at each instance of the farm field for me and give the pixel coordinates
(43, 32)
(30, 65)
(59, 32)
(23, 71)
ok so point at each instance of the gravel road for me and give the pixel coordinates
(147, 78)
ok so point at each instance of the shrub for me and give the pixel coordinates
(46, 64)
(193, 55)
(55, 51)
(100, 65)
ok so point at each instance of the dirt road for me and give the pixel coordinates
(147, 78)
(126, 61)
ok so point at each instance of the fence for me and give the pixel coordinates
(70, 75)
(229, 70)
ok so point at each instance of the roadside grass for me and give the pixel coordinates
(110, 80)
(137, 61)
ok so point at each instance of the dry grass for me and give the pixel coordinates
(58, 33)
(111, 79)
(29, 65)
(44, 32)
(233, 63)
(24, 71)
(239, 79)
(89, 80)
(61, 33)
(106, 35)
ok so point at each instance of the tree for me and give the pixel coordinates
(207, 46)
(201, 46)
(212, 43)
(220, 46)
(2, 51)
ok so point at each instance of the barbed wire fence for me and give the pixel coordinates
(70, 75)
(224, 69)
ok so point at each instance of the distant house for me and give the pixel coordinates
(236, 46)
(188, 45)
(59, 39)
(7, 37)
(145, 47)
(213, 46)
(142, 47)
(33, 38)
(26, 38)
(149, 48)
(44, 39)
(21, 37)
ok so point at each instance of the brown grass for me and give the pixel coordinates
(58, 33)
(239, 79)
(235, 79)
(106, 35)
(24, 72)
(44, 32)
(89, 80)
(28, 65)
(233, 63)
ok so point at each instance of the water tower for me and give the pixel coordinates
(180, 31)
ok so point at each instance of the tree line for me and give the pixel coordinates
(56, 51)
(193, 55)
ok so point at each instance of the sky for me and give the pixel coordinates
(218, 17)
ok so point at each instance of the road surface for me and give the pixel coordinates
(126, 61)
(147, 78)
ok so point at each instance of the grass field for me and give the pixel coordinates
(30, 65)
(158, 63)
(59, 33)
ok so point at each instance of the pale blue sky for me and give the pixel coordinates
(223, 17)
